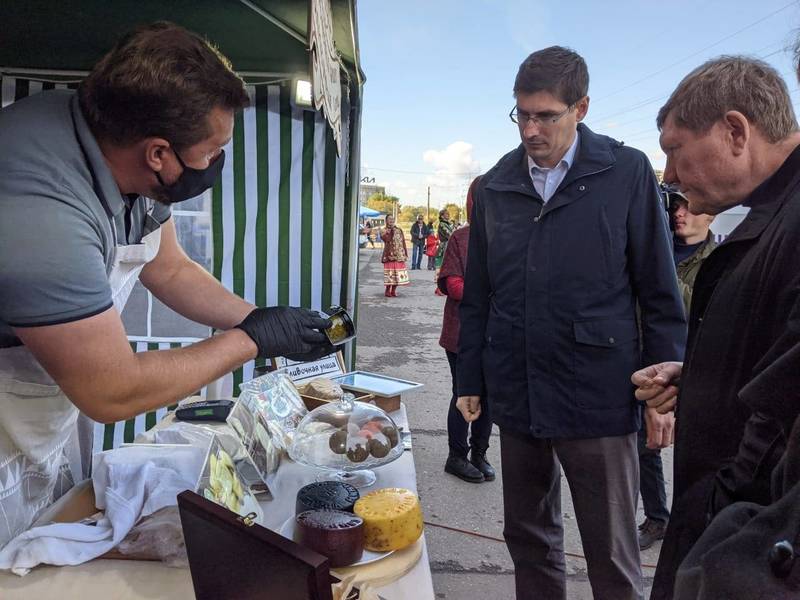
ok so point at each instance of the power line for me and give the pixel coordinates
(639, 104)
(653, 99)
(693, 54)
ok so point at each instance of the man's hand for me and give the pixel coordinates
(660, 428)
(470, 407)
(658, 385)
(288, 331)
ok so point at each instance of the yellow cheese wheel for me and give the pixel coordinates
(392, 519)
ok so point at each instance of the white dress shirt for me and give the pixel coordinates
(546, 181)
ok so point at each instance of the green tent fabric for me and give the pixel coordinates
(283, 210)
(256, 35)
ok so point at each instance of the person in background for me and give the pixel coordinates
(370, 233)
(731, 138)
(567, 237)
(394, 257)
(691, 244)
(431, 247)
(451, 282)
(418, 235)
(444, 231)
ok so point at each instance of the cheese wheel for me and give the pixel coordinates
(392, 519)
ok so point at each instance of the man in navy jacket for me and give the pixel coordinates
(568, 238)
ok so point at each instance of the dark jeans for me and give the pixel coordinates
(457, 427)
(416, 255)
(431, 263)
(651, 480)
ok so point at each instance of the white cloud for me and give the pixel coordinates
(449, 172)
(453, 167)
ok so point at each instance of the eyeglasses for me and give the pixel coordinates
(520, 117)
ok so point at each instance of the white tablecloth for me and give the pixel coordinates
(137, 580)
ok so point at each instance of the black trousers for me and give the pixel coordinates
(651, 480)
(603, 478)
(458, 428)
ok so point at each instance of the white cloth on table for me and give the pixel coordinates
(129, 483)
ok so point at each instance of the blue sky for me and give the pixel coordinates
(440, 74)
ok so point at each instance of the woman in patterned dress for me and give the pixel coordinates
(394, 258)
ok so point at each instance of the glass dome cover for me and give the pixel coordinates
(346, 436)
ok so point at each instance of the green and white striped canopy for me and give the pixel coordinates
(283, 213)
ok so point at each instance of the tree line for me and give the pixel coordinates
(407, 213)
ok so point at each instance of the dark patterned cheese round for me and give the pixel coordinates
(333, 533)
(333, 495)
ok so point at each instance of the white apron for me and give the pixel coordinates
(40, 445)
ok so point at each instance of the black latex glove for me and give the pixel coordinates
(288, 331)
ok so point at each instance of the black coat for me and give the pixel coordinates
(740, 388)
(419, 231)
(743, 553)
(549, 309)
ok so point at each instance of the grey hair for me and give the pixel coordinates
(747, 85)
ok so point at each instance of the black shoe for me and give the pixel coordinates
(478, 459)
(463, 469)
(650, 532)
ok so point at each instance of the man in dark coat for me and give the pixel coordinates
(419, 232)
(730, 136)
(750, 551)
(567, 236)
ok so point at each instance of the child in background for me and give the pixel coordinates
(431, 249)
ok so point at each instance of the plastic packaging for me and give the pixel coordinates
(220, 482)
(276, 398)
(256, 438)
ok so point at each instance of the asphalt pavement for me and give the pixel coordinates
(399, 337)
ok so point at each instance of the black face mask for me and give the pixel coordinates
(192, 182)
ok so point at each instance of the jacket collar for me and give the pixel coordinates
(767, 199)
(701, 253)
(595, 154)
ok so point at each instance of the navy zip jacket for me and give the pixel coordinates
(550, 331)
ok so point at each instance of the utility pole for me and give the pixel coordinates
(428, 214)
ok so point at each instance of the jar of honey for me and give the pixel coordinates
(342, 329)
